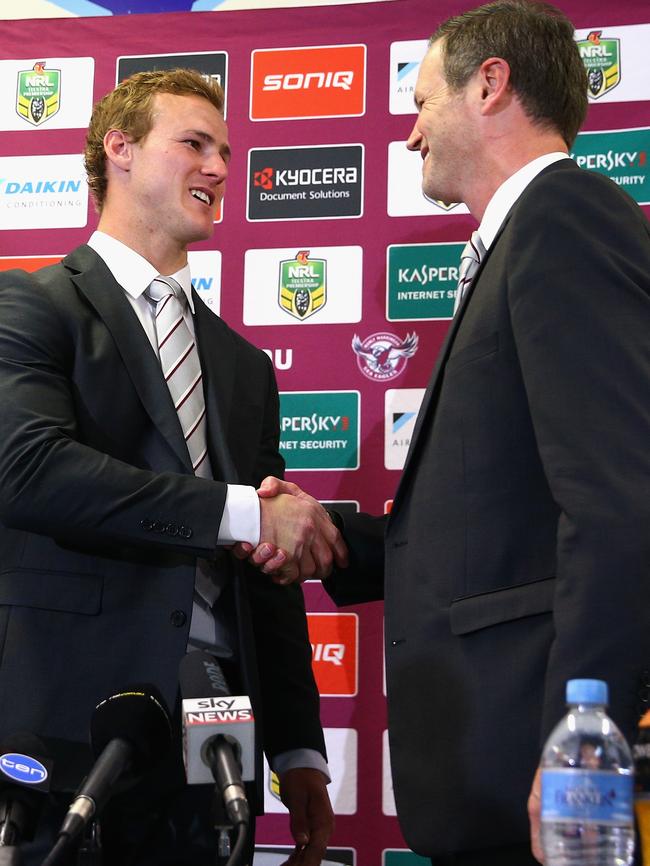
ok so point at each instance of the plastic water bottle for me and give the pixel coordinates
(587, 785)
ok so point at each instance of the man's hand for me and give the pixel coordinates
(534, 813)
(304, 793)
(298, 539)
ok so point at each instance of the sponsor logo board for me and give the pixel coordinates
(319, 430)
(405, 196)
(421, 281)
(205, 267)
(277, 855)
(28, 263)
(334, 641)
(43, 192)
(621, 155)
(405, 59)
(616, 62)
(342, 759)
(387, 796)
(321, 182)
(401, 407)
(211, 64)
(402, 857)
(50, 93)
(312, 285)
(308, 82)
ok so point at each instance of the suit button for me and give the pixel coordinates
(171, 529)
(146, 524)
(184, 531)
(178, 618)
(158, 526)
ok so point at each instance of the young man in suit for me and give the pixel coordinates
(517, 552)
(117, 504)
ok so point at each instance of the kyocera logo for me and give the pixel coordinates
(333, 653)
(23, 768)
(309, 80)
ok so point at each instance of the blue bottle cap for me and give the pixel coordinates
(586, 692)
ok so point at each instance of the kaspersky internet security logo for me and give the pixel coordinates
(621, 155)
(320, 429)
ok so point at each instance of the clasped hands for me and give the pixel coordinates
(298, 540)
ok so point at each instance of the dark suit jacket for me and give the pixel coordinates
(102, 518)
(517, 553)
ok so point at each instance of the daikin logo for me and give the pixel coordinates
(38, 187)
(23, 768)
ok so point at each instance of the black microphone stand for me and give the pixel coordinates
(90, 851)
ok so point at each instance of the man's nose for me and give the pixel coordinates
(414, 139)
(217, 166)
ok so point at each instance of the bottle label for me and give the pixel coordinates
(602, 797)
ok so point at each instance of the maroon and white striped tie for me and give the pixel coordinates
(469, 261)
(181, 368)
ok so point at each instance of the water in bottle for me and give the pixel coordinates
(587, 785)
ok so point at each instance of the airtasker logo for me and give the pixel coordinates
(334, 639)
(304, 83)
(322, 182)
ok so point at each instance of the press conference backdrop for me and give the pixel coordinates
(325, 255)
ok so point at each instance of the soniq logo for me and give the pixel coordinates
(314, 81)
(23, 768)
(305, 81)
(320, 182)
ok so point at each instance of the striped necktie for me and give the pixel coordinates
(181, 368)
(469, 261)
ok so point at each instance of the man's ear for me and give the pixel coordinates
(118, 148)
(494, 81)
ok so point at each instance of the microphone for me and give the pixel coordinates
(129, 733)
(218, 733)
(25, 771)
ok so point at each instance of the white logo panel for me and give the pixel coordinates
(405, 196)
(401, 407)
(43, 192)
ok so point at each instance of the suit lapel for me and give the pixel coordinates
(430, 395)
(92, 277)
(217, 353)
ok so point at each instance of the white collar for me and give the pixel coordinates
(508, 193)
(133, 272)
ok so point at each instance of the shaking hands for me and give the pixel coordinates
(298, 539)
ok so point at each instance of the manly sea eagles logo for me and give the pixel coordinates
(38, 96)
(303, 289)
(601, 58)
(383, 356)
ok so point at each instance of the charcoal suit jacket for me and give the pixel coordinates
(517, 552)
(103, 519)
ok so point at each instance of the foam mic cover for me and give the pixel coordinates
(137, 715)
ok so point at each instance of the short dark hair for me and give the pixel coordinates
(536, 40)
(130, 108)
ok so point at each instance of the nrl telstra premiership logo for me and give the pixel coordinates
(303, 285)
(38, 93)
(601, 58)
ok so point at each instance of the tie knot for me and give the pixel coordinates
(474, 248)
(162, 287)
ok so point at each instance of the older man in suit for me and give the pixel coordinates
(517, 552)
(123, 481)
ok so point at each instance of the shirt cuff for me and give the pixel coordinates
(300, 758)
(240, 520)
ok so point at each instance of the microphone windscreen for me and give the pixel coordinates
(139, 715)
(200, 676)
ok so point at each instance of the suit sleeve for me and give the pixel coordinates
(363, 579)
(579, 299)
(54, 483)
